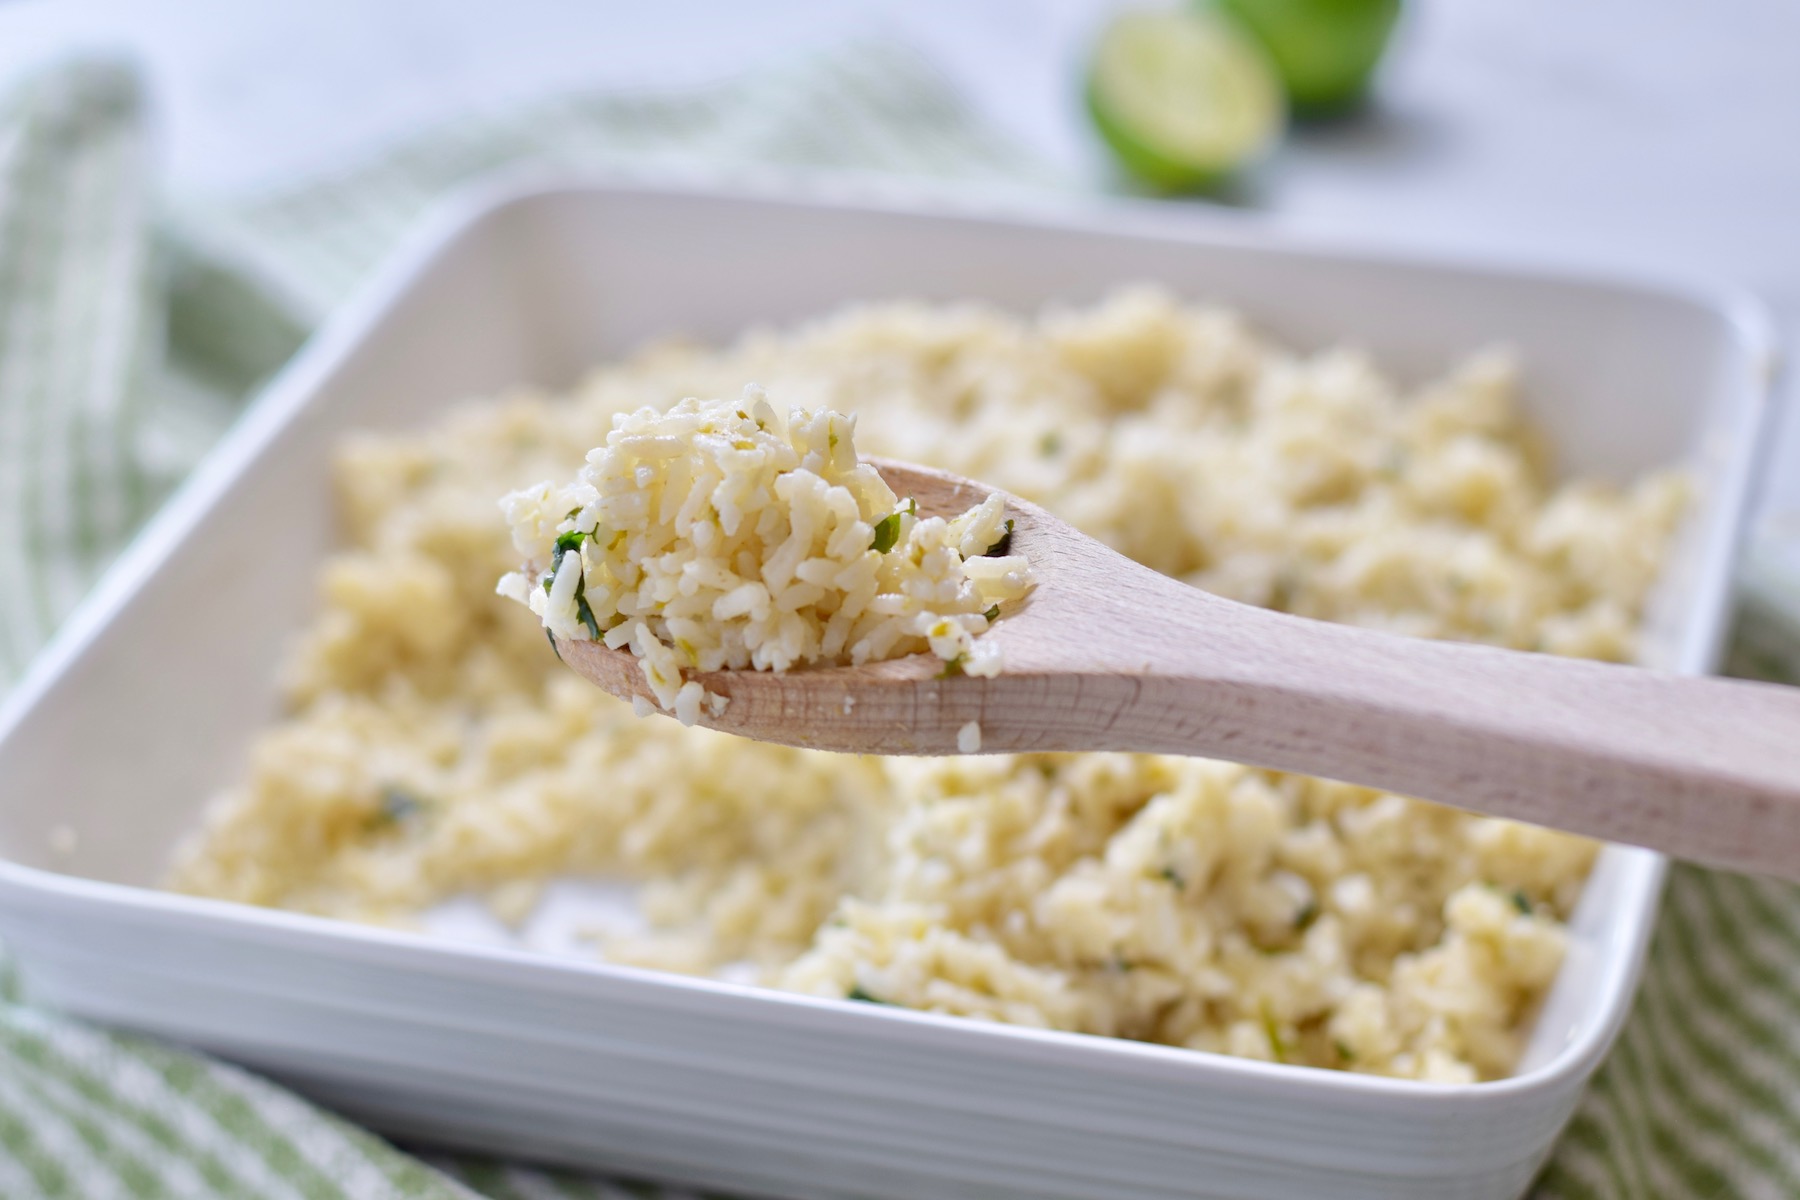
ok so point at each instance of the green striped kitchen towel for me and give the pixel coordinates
(129, 339)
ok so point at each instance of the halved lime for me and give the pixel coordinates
(1182, 96)
(1326, 51)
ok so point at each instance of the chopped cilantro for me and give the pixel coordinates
(1277, 1045)
(1122, 964)
(992, 614)
(397, 805)
(1521, 901)
(887, 533)
(1344, 1053)
(585, 612)
(999, 548)
(566, 544)
(1309, 912)
(952, 666)
(1174, 877)
(856, 993)
(1050, 445)
(556, 558)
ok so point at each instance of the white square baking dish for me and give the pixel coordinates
(145, 704)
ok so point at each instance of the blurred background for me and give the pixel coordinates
(1645, 130)
(1656, 133)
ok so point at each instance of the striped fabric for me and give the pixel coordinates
(88, 1114)
(125, 349)
(874, 109)
(73, 280)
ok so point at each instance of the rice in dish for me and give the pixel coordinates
(726, 534)
(435, 747)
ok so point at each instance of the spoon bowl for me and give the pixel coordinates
(909, 705)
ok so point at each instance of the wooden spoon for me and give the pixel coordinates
(1106, 654)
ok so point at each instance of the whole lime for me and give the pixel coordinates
(1326, 51)
(1183, 96)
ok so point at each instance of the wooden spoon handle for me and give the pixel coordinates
(1705, 769)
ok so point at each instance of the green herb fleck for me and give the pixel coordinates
(999, 548)
(1344, 1053)
(564, 544)
(992, 614)
(856, 993)
(1122, 964)
(1309, 912)
(1521, 901)
(1174, 877)
(887, 533)
(584, 612)
(1271, 1030)
(556, 558)
(570, 543)
(554, 648)
(1050, 445)
(397, 805)
(952, 666)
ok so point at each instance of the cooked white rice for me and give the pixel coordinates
(726, 535)
(436, 747)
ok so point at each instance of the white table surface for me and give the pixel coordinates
(1643, 132)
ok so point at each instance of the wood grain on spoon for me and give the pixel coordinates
(1106, 654)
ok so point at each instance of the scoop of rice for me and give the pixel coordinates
(725, 535)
